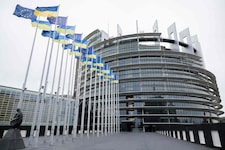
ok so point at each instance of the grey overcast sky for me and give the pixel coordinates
(206, 18)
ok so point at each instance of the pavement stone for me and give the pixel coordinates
(117, 141)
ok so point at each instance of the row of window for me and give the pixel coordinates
(9, 99)
(155, 59)
(164, 111)
(175, 104)
(167, 96)
(138, 122)
(162, 86)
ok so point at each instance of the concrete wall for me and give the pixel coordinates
(211, 135)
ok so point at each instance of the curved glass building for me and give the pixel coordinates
(161, 80)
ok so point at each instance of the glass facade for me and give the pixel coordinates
(159, 85)
(9, 98)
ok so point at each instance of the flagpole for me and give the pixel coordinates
(62, 93)
(38, 99)
(89, 104)
(43, 96)
(28, 68)
(77, 99)
(111, 98)
(58, 98)
(72, 91)
(114, 108)
(116, 111)
(99, 99)
(117, 117)
(59, 82)
(115, 104)
(50, 103)
(110, 107)
(68, 116)
(108, 97)
(106, 108)
(84, 99)
(40, 87)
(73, 77)
(102, 109)
(55, 101)
(94, 105)
(51, 94)
(45, 87)
(65, 129)
(118, 105)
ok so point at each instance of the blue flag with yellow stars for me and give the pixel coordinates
(24, 12)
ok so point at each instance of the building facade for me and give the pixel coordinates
(161, 80)
(9, 98)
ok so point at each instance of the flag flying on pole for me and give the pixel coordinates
(78, 42)
(44, 25)
(66, 29)
(57, 20)
(67, 46)
(83, 51)
(83, 60)
(99, 73)
(71, 36)
(76, 37)
(50, 34)
(82, 44)
(106, 69)
(72, 49)
(61, 39)
(24, 12)
(91, 65)
(99, 65)
(46, 11)
(111, 74)
(99, 62)
(91, 54)
(115, 80)
(77, 53)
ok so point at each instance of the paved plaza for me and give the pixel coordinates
(119, 141)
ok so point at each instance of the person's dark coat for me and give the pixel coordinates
(17, 119)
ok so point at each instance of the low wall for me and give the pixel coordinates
(25, 130)
(211, 135)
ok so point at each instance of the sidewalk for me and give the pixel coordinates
(120, 141)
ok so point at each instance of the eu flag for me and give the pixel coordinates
(24, 12)
(77, 37)
(58, 20)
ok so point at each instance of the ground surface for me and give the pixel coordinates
(119, 141)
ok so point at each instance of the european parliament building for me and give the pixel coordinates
(161, 80)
